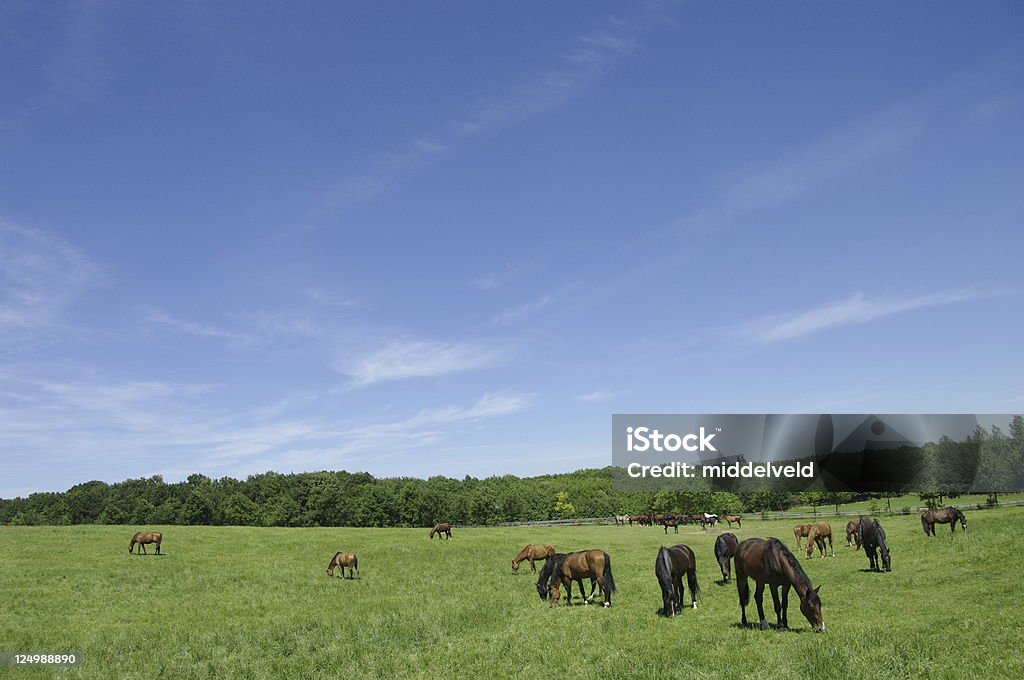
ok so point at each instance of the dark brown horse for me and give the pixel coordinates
(673, 523)
(871, 535)
(948, 515)
(343, 560)
(816, 536)
(801, 531)
(562, 570)
(770, 563)
(725, 550)
(442, 528)
(532, 553)
(852, 538)
(669, 567)
(734, 518)
(143, 538)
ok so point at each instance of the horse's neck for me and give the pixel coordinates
(790, 571)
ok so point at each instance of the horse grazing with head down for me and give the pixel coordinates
(343, 560)
(562, 569)
(770, 563)
(801, 531)
(532, 553)
(948, 515)
(669, 567)
(442, 528)
(852, 539)
(816, 536)
(871, 535)
(725, 550)
(144, 538)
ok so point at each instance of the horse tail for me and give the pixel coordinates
(608, 578)
(691, 579)
(924, 524)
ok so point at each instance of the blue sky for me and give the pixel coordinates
(421, 239)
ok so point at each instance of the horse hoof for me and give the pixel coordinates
(607, 604)
(782, 628)
(765, 625)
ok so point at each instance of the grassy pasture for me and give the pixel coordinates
(239, 602)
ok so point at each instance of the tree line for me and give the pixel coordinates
(993, 461)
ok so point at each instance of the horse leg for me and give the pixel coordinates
(778, 607)
(759, 597)
(158, 548)
(586, 600)
(831, 549)
(785, 607)
(680, 593)
(743, 590)
(143, 546)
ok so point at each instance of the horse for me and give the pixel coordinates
(142, 538)
(733, 518)
(871, 535)
(709, 519)
(725, 549)
(442, 528)
(816, 535)
(562, 570)
(770, 563)
(343, 560)
(674, 523)
(532, 553)
(852, 537)
(669, 567)
(621, 520)
(801, 531)
(948, 515)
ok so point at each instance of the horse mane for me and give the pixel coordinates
(799, 577)
(556, 564)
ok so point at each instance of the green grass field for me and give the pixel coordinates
(252, 602)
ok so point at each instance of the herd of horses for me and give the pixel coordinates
(766, 561)
(670, 520)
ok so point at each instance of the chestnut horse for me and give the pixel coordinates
(532, 553)
(852, 537)
(801, 531)
(343, 560)
(143, 538)
(734, 518)
(669, 567)
(562, 570)
(442, 528)
(725, 550)
(817, 534)
(770, 563)
(948, 515)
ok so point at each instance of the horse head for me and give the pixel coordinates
(810, 607)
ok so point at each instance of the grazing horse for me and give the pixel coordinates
(709, 519)
(144, 537)
(817, 534)
(733, 518)
(674, 523)
(532, 553)
(725, 549)
(670, 566)
(801, 531)
(442, 528)
(621, 520)
(852, 537)
(871, 535)
(342, 560)
(562, 570)
(948, 515)
(770, 563)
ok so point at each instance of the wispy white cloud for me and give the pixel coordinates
(855, 309)
(602, 395)
(414, 358)
(160, 317)
(514, 314)
(496, 279)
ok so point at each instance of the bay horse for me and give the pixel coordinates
(770, 563)
(143, 538)
(816, 535)
(852, 537)
(669, 567)
(674, 523)
(532, 553)
(733, 518)
(442, 528)
(576, 566)
(343, 560)
(948, 515)
(725, 550)
(871, 535)
(801, 531)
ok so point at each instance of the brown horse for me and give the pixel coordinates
(801, 531)
(143, 538)
(852, 537)
(948, 515)
(532, 553)
(770, 563)
(669, 567)
(673, 523)
(733, 518)
(442, 528)
(725, 550)
(562, 570)
(343, 560)
(817, 534)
